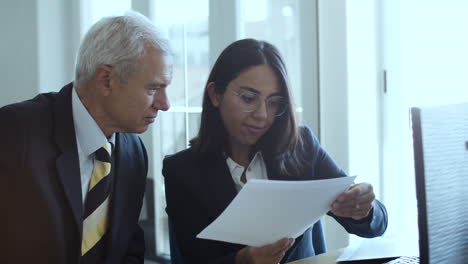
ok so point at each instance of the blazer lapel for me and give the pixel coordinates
(218, 188)
(119, 183)
(67, 163)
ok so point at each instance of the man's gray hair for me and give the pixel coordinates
(119, 41)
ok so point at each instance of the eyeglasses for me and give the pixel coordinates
(250, 102)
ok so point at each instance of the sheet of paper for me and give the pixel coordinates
(380, 247)
(265, 211)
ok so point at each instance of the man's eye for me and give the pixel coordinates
(152, 90)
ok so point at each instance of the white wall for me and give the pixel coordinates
(365, 88)
(334, 97)
(350, 92)
(18, 51)
(37, 49)
(310, 65)
(57, 43)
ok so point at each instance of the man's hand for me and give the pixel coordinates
(269, 254)
(356, 202)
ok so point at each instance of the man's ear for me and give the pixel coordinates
(214, 97)
(103, 79)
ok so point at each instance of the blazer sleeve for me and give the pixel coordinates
(325, 167)
(136, 250)
(187, 218)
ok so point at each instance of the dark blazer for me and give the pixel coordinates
(199, 188)
(40, 194)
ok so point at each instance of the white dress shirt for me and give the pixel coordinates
(89, 138)
(255, 170)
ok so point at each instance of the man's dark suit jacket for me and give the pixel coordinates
(40, 198)
(199, 188)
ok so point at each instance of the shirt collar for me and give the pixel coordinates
(234, 166)
(88, 134)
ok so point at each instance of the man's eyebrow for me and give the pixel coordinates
(156, 84)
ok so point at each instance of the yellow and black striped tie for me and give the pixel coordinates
(96, 209)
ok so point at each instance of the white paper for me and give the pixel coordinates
(380, 247)
(265, 211)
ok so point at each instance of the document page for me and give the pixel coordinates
(265, 211)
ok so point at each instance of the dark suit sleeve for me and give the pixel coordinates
(136, 250)
(325, 167)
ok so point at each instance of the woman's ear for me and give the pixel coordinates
(214, 97)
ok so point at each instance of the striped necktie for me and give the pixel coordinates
(96, 209)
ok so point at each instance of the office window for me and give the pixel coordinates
(188, 32)
(92, 11)
(264, 19)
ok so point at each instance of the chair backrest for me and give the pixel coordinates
(440, 144)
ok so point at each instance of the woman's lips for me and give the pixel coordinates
(254, 129)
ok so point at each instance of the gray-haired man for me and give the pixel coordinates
(72, 171)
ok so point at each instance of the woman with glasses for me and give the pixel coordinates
(248, 131)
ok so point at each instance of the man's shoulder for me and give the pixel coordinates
(36, 105)
(131, 141)
(187, 160)
(30, 115)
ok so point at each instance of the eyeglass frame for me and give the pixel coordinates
(239, 94)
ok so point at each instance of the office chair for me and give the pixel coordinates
(317, 241)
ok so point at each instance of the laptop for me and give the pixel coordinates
(440, 144)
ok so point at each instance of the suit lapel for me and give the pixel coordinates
(119, 182)
(218, 189)
(67, 163)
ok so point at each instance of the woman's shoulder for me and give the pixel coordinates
(189, 159)
(185, 156)
(307, 137)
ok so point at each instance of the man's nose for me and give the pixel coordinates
(161, 101)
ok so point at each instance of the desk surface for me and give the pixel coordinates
(327, 258)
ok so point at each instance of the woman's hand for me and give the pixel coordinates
(269, 254)
(356, 202)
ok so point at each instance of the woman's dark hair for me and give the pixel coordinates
(281, 143)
